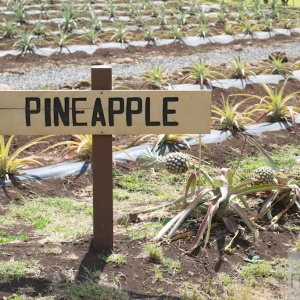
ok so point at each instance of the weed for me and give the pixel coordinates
(117, 258)
(92, 291)
(263, 268)
(158, 274)
(5, 238)
(155, 252)
(225, 279)
(16, 269)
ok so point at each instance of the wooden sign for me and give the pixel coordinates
(104, 112)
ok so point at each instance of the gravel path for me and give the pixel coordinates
(58, 77)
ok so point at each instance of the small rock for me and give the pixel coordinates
(121, 276)
(191, 273)
(67, 87)
(127, 60)
(97, 62)
(122, 218)
(18, 72)
(81, 84)
(237, 48)
(55, 277)
(249, 43)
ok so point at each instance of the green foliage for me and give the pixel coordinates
(57, 219)
(221, 18)
(39, 28)
(228, 117)
(218, 201)
(117, 258)
(92, 291)
(204, 30)
(137, 182)
(121, 34)
(95, 21)
(176, 33)
(182, 20)
(229, 29)
(80, 148)
(201, 73)
(155, 252)
(247, 27)
(112, 11)
(8, 29)
(155, 78)
(69, 22)
(62, 40)
(20, 13)
(262, 269)
(267, 25)
(162, 17)
(149, 35)
(93, 36)
(26, 42)
(274, 105)
(10, 164)
(278, 67)
(286, 192)
(16, 269)
(238, 69)
(5, 238)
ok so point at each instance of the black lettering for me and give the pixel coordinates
(59, 112)
(47, 112)
(76, 112)
(130, 111)
(167, 111)
(29, 111)
(98, 114)
(112, 112)
(147, 112)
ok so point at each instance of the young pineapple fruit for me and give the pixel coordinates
(174, 162)
(264, 175)
(177, 162)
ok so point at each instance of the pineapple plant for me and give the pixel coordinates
(173, 162)
(264, 175)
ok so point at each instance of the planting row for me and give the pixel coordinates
(129, 22)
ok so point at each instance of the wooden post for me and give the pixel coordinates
(101, 79)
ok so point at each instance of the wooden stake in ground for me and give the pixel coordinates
(102, 172)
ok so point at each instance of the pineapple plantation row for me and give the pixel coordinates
(28, 25)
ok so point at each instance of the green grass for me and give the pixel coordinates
(16, 269)
(92, 291)
(154, 252)
(283, 156)
(262, 269)
(160, 184)
(117, 258)
(5, 238)
(57, 219)
(147, 230)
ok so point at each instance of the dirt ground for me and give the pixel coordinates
(135, 277)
